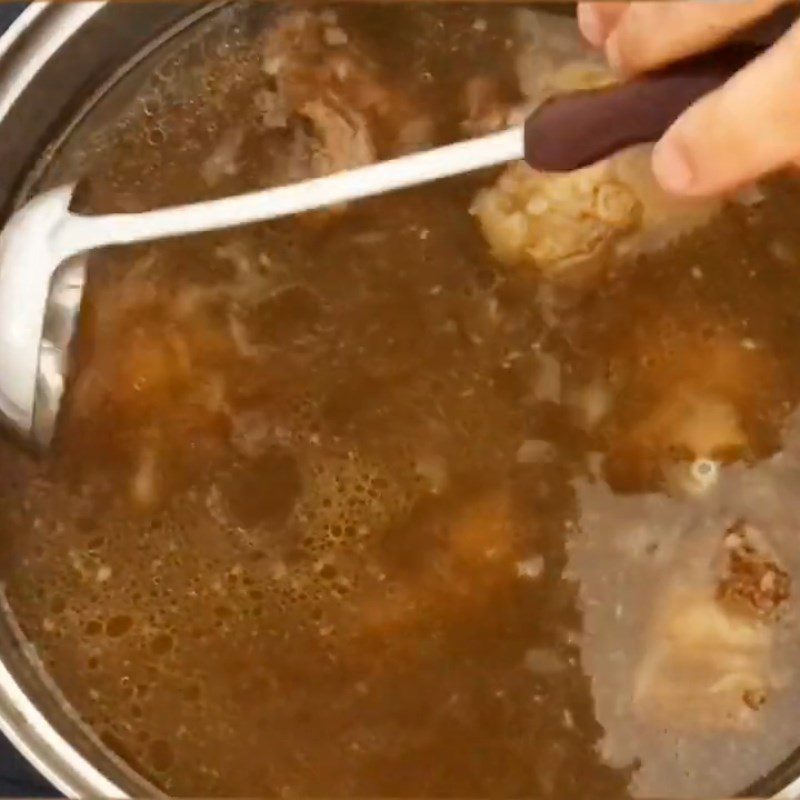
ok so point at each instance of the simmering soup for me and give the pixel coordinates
(490, 487)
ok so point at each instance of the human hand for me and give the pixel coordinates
(745, 129)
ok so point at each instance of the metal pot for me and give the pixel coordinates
(56, 62)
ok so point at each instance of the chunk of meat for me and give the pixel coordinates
(322, 77)
(343, 135)
(550, 224)
(707, 663)
(752, 582)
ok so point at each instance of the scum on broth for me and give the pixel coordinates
(484, 488)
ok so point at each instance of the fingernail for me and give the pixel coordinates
(590, 24)
(671, 167)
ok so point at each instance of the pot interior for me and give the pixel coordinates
(481, 488)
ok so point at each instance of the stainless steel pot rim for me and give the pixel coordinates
(13, 83)
(37, 740)
(21, 721)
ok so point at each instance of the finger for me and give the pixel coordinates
(597, 20)
(748, 127)
(651, 34)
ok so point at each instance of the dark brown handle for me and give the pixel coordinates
(578, 129)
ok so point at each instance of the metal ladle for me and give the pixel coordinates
(43, 249)
(43, 246)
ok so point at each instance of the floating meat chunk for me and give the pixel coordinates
(752, 582)
(551, 223)
(320, 76)
(707, 663)
(344, 137)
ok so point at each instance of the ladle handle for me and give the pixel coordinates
(80, 233)
(574, 130)
(578, 129)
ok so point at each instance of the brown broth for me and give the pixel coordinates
(341, 506)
